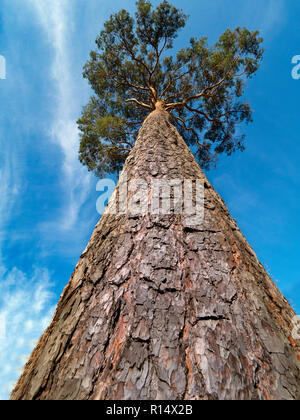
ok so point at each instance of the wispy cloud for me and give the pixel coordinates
(25, 312)
(268, 16)
(10, 184)
(6, 188)
(240, 200)
(55, 17)
(26, 302)
(274, 16)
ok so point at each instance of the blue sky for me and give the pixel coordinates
(48, 200)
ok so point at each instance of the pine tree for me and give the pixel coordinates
(159, 307)
(131, 74)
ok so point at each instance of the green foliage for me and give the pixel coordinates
(201, 86)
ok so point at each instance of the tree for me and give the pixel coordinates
(159, 310)
(131, 74)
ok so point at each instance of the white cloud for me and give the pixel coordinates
(26, 308)
(268, 16)
(26, 302)
(55, 17)
(2, 327)
(240, 200)
(8, 184)
(273, 16)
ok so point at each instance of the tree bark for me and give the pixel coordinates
(159, 310)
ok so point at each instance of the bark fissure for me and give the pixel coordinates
(211, 318)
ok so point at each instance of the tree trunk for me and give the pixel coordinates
(157, 309)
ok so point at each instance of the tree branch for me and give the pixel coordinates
(158, 55)
(172, 81)
(122, 141)
(225, 114)
(139, 103)
(206, 90)
(201, 113)
(121, 149)
(193, 97)
(129, 50)
(188, 128)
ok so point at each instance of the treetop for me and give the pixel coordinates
(132, 74)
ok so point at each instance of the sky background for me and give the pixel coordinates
(48, 200)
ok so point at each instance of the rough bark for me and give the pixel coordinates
(159, 310)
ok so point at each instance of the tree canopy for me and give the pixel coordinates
(131, 74)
